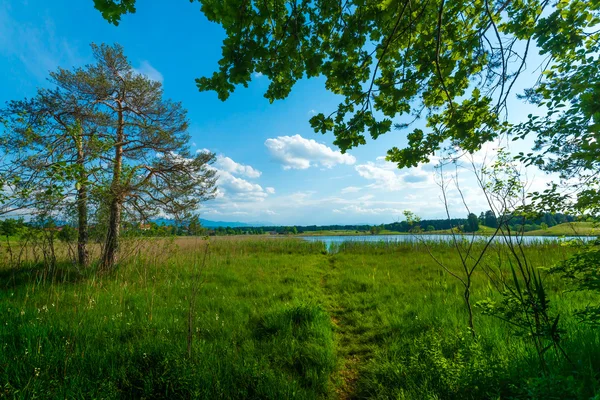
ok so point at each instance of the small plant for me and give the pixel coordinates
(582, 270)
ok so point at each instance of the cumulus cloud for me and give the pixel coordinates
(383, 177)
(296, 152)
(235, 188)
(231, 186)
(368, 211)
(227, 164)
(149, 71)
(387, 176)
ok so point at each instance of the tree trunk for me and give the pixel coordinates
(111, 245)
(82, 209)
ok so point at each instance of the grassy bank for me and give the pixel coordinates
(569, 229)
(276, 319)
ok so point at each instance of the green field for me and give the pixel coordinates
(568, 229)
(278, 318)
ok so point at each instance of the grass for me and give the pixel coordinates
(276, 318)
(568, 229)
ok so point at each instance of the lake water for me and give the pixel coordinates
(328, 240)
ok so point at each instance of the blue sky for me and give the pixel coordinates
(272, 166)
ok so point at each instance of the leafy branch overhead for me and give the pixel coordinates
(453, 63)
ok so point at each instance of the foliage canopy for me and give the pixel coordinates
(392, 62)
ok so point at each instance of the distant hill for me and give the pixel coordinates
(225, 224)
(568, 229)
(214, 224)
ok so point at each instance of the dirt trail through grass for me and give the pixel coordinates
(350, 336)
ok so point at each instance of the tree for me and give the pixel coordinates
(375, 230)
(472, 224)
(67, 234)
(58, 146)
(490, 220)
(52, 150)
(567, 138)
(194, 227)
(453, 63)
(152, 169)
(481, 219)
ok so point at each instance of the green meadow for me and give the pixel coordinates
(279, 318)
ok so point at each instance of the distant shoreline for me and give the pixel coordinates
(533, 233)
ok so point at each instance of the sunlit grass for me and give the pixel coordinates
(274, 318)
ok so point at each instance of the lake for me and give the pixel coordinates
(328, 240)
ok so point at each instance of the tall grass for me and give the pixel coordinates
(275, 318)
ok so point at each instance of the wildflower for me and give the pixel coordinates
(37, 371)
(22, 312)
(217, 316)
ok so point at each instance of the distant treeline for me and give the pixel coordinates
(195, 228)
(488, 219)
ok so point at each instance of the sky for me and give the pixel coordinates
(272, 167)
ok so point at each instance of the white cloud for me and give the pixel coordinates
(258, 74)
(149, 71)
(296, 152)
(384, 178)
(387, 176)
(238, 188)
(227, 164)
(231, 187)
(312, 112)
(350, 189)
(211, 211)
(392, 212)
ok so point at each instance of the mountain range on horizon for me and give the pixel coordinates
(216, 224)
(229, 224)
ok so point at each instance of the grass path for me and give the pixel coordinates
(352, 345)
